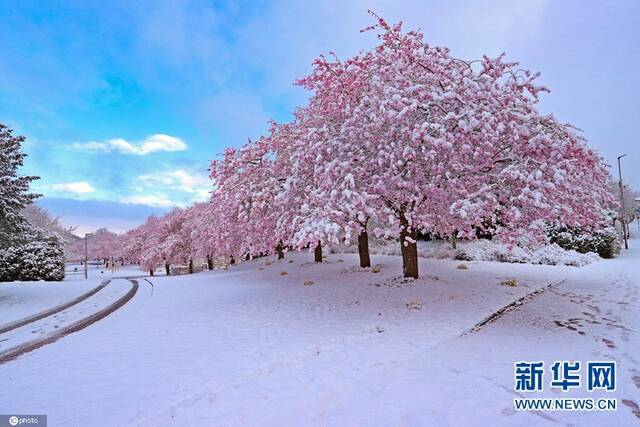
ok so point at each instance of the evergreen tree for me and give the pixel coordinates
(14, 189)
(27, 252)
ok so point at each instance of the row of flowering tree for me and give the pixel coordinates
(177, 238)
(396, 140)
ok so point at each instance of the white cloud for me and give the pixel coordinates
(169, 188)
(180, 180)
(79, 187)
(155, 200)
(151, 144)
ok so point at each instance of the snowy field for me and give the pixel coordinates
(292, 342)
(19, 300)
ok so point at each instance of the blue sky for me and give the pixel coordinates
(125, 103)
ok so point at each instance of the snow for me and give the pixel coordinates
(488, 250)
(51, 324)
(19, 300)
(254, 346)
(22, 299)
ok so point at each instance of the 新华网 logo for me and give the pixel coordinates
(529, 376)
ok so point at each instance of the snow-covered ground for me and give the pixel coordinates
(293, 342)
(19, 300)
(22, 299)
(37, 328)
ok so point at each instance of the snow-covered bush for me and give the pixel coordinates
(487, 250)
(604, 242)
(40, 257)
(483, 250)
(555, 255)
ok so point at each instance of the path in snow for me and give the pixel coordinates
(33, 332)
(20, 300)
(51, 311)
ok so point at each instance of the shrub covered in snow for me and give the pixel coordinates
(486, 250)
(39, 257)
(555, 255)
(604, 242)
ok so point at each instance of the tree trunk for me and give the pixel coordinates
(150, 272)
(232, 260)
(318, 252)
(280, 250)
(209, 262)
(247, 257)
(454, 240)
(363, 249)
(409, 248)
(190, 266)
(167, 268)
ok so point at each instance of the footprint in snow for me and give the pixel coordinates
(636, 380)
(635, 409)
(609, 343)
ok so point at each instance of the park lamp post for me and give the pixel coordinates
(624, 224)
(86, 255)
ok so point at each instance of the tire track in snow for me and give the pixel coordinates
(46, 313)
(18, 351)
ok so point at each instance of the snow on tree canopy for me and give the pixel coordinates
(399, 139)
(27, 252)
